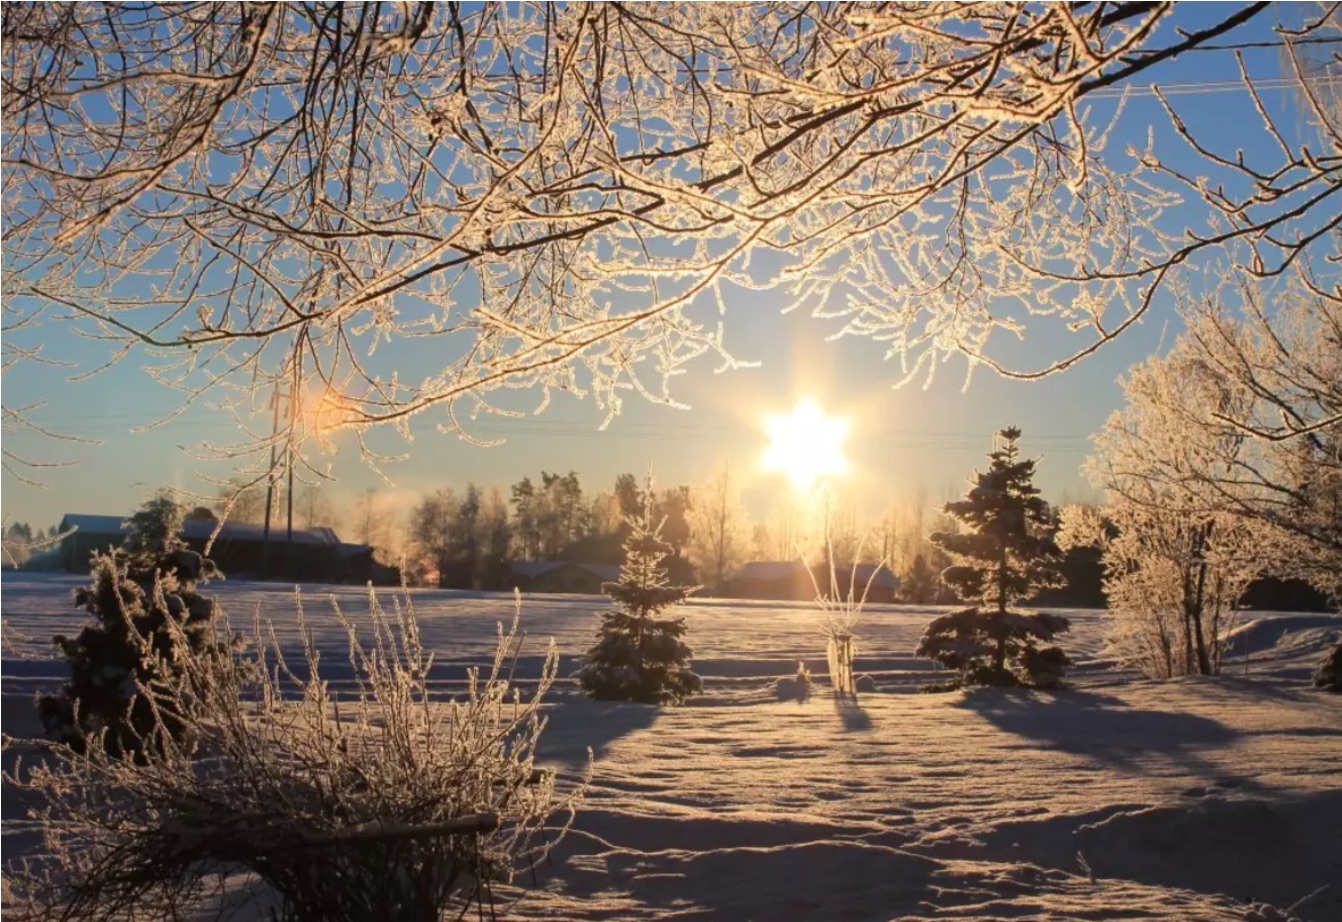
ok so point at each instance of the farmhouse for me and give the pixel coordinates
(562, 576)
(240, 549)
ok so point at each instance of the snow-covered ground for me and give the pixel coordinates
(1116, 798)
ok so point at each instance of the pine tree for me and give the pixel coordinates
(1006, 555)
(639, 656)
(148, 617)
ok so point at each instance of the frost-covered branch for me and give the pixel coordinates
(560, 195)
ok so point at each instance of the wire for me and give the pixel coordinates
(1280, 43)
(1202, 87)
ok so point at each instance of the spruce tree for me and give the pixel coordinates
(147, 616)
(638, 655)
(1006, 555)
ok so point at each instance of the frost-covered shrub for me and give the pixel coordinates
(1005, 555)
(379, 805)
(639, 656)
(148, 617)
(1329, 674)
(841, 604)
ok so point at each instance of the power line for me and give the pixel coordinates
(1204, 87)
(1279, 43)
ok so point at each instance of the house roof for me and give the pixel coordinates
(533, 568)
(198, 528)
(769, 570)
(530, 569)
(776, 570)
(883, 576)
(93, 524)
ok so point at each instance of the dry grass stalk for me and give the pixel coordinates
(381, 804)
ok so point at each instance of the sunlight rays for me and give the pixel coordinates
(805, 445)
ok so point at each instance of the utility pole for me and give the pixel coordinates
(270, 478)
(289, 516)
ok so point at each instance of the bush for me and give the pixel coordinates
(384, 805)
(795, 688)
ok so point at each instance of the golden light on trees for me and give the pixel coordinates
(806, 444)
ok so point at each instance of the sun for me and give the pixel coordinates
(805, 444)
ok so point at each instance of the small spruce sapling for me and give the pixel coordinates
(639, 656)
(1007, 555)
(148, 618)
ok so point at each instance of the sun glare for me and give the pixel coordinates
(805, 444)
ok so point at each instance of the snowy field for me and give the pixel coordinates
(1116, 798)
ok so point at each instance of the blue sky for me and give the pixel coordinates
(931, 437)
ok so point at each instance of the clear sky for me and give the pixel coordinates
(933, 437)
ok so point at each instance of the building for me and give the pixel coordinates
(790, 580)
(562, 576)
(780, 580)
(240, 550)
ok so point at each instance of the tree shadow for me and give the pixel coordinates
(574, 725)
(854, 717)
(1106, 729)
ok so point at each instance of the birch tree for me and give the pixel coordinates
(1192, 497)
(1226, 461)
(719, 540)
(243, 195)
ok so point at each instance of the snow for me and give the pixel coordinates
(1116, 798)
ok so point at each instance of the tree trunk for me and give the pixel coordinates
(1002, 581)
(1199, 598)
(1199, 635)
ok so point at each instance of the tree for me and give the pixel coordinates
(606, 517)
(308, 175)
(1200, 506)
(673, 509)
(432, 525)
(375, 524)
(638, 655)
(18, 543)
(626, 492)
(1239, 420)
(241, 501)
(149, 619)
(155, 527)
(525, 526)
(786, 533)
(718, 536)
(200, 514)
(556, 512)
(1171, 578)
(313, 507)
(920, 584)
(1004, 557)
(495, 541)
(464, 540)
